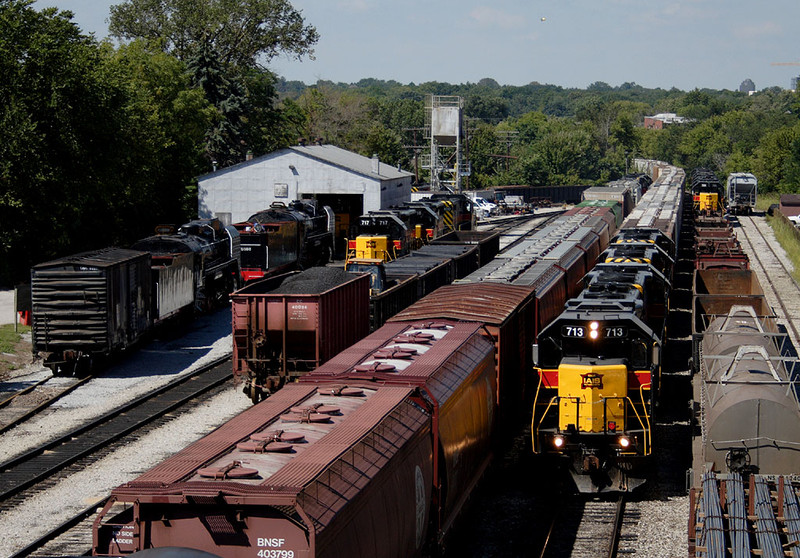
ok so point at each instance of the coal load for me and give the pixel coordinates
(315, 280)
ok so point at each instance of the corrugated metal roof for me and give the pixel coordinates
(105, 257)
(329, 154)
(349, 160)
(489, 303)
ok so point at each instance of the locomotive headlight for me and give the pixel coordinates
(558, 442)
(594, 332)
(624, 442)
(594, 326)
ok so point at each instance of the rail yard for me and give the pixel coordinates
(643, 330)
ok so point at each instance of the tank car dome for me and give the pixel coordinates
(173, 552)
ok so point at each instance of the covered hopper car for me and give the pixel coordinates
(373, 454)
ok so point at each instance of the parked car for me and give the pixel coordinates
(485, 207)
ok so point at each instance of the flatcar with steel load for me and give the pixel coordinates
(598, 362)
(91, 306)
(284, 238)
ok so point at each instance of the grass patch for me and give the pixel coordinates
(789, 238)
(9, 338)
(763, 201)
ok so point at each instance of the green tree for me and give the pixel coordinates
(242, 32)
(226, 44)
(97, 145)
(777, 158)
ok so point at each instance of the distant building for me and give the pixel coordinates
(349, 183)
(747, 86)
(658, 121)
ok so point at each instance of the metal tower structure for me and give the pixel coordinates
(444, 128)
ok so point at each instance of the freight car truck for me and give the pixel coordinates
(286, 325)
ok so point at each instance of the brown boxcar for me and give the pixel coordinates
(280, 333)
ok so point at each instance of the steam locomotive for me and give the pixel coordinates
(283, 238)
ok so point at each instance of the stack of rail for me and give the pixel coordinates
(733, 516)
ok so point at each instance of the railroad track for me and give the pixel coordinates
(35, 466)
(34, 398)
(586, 528)
(781, 289)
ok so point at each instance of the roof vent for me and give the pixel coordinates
(376, 164)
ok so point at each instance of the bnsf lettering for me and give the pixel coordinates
(272, 543)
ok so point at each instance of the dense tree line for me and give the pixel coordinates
(99, 142)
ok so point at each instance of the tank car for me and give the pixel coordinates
(598, 362)
(283, 238)
(750, 413)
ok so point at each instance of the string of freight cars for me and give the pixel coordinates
(376, 452)
(91, 307)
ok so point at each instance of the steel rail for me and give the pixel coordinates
(42, 406)
(58, 531)
(772, 285)
(38, 464)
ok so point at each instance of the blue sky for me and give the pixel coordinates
(681, 43)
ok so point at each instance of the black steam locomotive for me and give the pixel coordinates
(282, 238)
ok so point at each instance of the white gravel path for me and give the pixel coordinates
(152, 366)
(43, 512)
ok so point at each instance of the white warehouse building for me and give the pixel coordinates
(349, 183)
